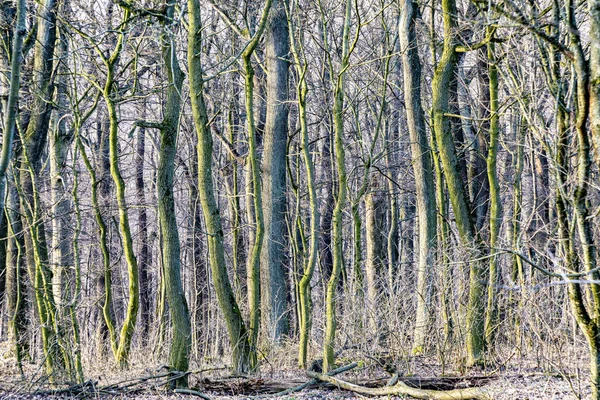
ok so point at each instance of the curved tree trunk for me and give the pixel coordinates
(443, 74)
(238, 334)
(110, 97)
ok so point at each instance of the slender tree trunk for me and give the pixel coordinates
(456, 187)
(199, 264)
(254, 169)
(16, 275)
(238, 334)
(594, 9)
(422, 166)
(491, 321)
(304, 293)
(128, 328)
(238, 248)
(374, 211)
(143, 245)
(101, 190)
(340, 201)
(12, 104)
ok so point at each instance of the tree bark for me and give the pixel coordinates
(143, 248)
(594, 9)
(178, 309)
(422, 167)
(274, 260)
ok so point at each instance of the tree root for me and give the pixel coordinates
(401, 388)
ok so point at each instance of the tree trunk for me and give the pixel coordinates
(374, 211)
(422, 166)
(12, 104)
(340, 201)
(238, 334)
(178, 308)
(491, 321)
(594, 8)
(143, 249)
(34, 141)
(62, 258)
(456, 187)
(110, 97)
(16, 275)
(274, 260)
(254, 170)
(304, 293)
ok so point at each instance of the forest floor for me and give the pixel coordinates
(526, 378)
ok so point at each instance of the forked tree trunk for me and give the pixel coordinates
(110, 97)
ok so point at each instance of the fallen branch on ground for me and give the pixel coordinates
(403, 389)
(312, 381)
(192, 393)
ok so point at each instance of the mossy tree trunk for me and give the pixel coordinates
(253, 267)
(238, 334)
(491, 319)
(340, 201)
(110, 95)
(594, 9)
(62, 258)
(585, 315)
(443, 75)
(178, 308)
(304, 293)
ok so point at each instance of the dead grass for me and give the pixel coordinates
(519, 378)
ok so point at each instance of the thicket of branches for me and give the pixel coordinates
(204, 179)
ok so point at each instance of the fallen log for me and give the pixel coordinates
(312, 381)
(401, 388)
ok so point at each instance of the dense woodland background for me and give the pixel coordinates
(222, 179)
